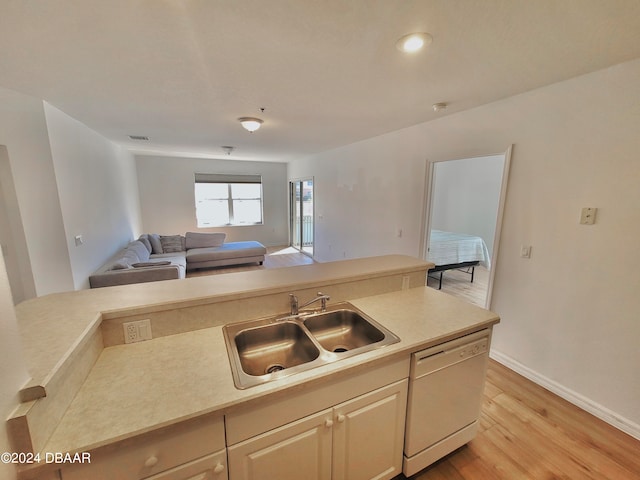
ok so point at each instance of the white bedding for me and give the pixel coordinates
(446, 248)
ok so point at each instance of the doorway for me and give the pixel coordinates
(465, 203)
(301, 211)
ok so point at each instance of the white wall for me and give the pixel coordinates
(13, 372)
(466, 195)
(570, 312)
(168, 205)
(98, 193)
(363, 194)
(14, 244)
(23, 131)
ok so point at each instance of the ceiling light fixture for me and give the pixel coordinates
(227, 149)
(413, 42)
(250, 123)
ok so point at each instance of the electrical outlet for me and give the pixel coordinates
(137, 331)
(130, 333)
(405, 282)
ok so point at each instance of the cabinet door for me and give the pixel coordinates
(368, 434)
(301, 449)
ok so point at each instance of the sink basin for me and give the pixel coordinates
(342, 330)
(271, 348)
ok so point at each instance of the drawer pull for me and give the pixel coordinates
(152, 461)
(219, 468)
(341, 418)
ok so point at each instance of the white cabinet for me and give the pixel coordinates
(52, 475)
(211, 467)
(359, 439)
(193, 450)
(368, 434)
(301, 449)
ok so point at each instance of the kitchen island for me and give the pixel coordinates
(179, 387)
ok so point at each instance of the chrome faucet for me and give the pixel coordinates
(295, 308)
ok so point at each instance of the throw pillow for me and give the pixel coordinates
(140, 251)
(156, 244)
(150, 264)
(144, 238)
(203, 240)
(171, 243)
(120, 264)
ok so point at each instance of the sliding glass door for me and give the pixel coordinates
(301, 208)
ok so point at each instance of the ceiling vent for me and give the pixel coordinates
(139, 137)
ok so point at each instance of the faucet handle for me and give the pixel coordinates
(323, 301)
(293, 300)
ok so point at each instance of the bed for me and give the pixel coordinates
(448, 251)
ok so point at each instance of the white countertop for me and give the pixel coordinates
(53, 326)
(136, 388)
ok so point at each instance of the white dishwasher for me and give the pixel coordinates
(445, 396)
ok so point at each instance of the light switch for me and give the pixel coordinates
(588, 216)
(79, 240)
(525, 251)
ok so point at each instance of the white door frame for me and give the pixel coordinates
(291, 212)
(428, 202)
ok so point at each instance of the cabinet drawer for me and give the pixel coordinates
(149, 454)
(211, 467)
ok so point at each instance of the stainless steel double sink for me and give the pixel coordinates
(271, 348)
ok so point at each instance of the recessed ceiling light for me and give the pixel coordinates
(413, 42)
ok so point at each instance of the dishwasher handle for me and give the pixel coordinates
(441, 356)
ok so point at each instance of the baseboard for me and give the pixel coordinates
(578, 400)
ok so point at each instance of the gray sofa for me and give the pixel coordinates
(157, 257)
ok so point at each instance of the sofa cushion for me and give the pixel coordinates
(171, 243)
(177, 259)
(227, 250)
(125, 260)
(140, 250)
(156, 244)
(201, 240)
(144, 238)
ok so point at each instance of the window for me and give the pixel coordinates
(228, 199)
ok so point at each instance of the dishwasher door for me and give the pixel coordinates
(445, 392)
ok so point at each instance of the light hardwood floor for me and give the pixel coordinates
(458, 283)
(526, 432)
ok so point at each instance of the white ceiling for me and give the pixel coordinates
(326, 71)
